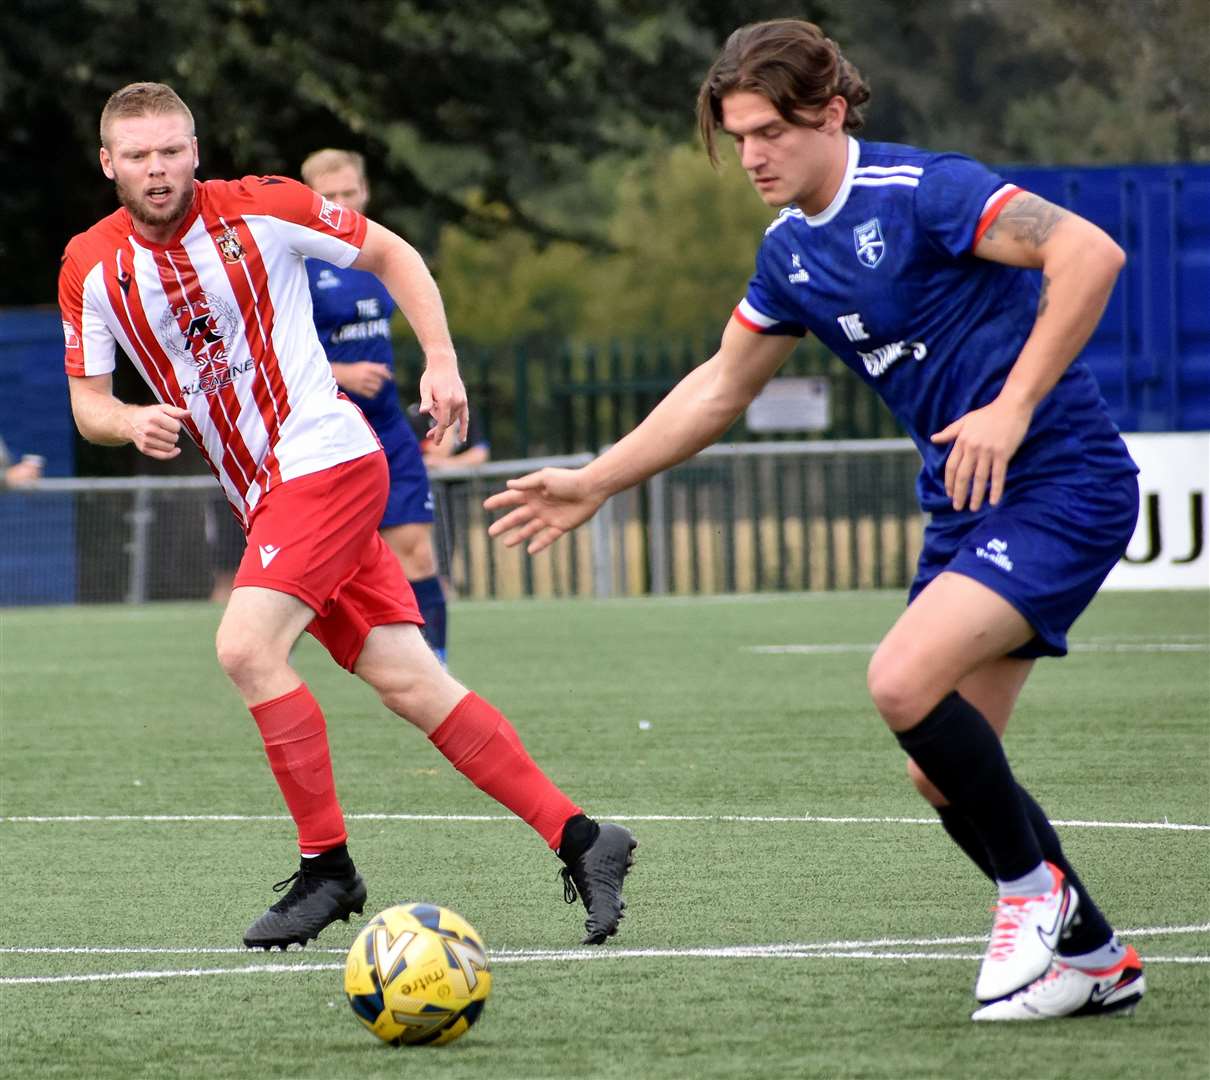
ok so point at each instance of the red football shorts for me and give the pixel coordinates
(316, 537)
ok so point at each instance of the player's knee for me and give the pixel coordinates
(420, 564)
(924, 785)
(405, 689)
(242, 658)
(414, 546)
(422, 698)
(407, 677)
(901, 699)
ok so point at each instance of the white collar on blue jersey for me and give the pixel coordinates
(842, 195)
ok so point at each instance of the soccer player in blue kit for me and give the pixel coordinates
(353, 317)
(914, 268)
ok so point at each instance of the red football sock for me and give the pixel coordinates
(296, 742)
(482, 745)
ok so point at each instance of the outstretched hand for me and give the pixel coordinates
(545, 505)
(984, 442)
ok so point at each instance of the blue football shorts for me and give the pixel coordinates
(411, 498)
(1045, 550)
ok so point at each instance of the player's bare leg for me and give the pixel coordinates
(397, 662)
(412, 544)
(254, 639)
(952, 629)
(480, 743)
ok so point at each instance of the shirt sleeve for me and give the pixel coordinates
(763, 310)
(88, 346)
(957, 200)
(315, 226)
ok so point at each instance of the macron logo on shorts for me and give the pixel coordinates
(268, 552)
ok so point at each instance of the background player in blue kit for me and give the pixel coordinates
(913, 267)
(353, 316)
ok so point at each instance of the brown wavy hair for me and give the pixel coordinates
(789, 61)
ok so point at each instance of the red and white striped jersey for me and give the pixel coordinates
(218, 321)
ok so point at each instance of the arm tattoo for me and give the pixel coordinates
(1043, 299)
(1028, 219)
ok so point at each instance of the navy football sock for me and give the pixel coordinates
(958, 750)
(962, 832)
(1090, 929)
(430, 598)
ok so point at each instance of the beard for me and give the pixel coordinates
(155, 216)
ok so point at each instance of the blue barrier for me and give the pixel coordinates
(1151, 353)
(35, 418)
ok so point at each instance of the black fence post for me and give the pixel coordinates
(521, 403)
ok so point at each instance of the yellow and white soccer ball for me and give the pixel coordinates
(417, 975)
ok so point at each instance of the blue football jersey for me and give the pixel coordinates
(886, 278)
(352, 311)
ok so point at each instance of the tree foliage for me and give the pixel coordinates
(456, 106)
(547, 129)
(681, 245)
(1052, 82)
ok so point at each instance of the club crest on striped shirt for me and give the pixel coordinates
(867, 239)
(229, 245)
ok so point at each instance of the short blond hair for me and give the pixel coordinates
(323, 162)
(142, 99)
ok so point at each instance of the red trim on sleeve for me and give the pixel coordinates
(745, 322)
(71, 311)
(991, 213)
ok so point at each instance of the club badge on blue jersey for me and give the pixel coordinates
(867, 239)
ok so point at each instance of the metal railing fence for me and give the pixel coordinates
(735, 518)
(569, 399)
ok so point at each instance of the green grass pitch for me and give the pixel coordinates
(793, 912)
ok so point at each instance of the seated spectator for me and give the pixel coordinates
(22, 473)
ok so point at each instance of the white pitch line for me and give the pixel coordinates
(114, 976)
(555, 956)
(861, 648)
(757, 819)
(874, 943)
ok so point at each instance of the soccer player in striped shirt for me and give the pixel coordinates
(203, 286)
(913, 268)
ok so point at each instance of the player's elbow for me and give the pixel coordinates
(1098, 254)
(1110, 255)
(1110, 259)
(1087, 259)
(730, 393)
(84, 425)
